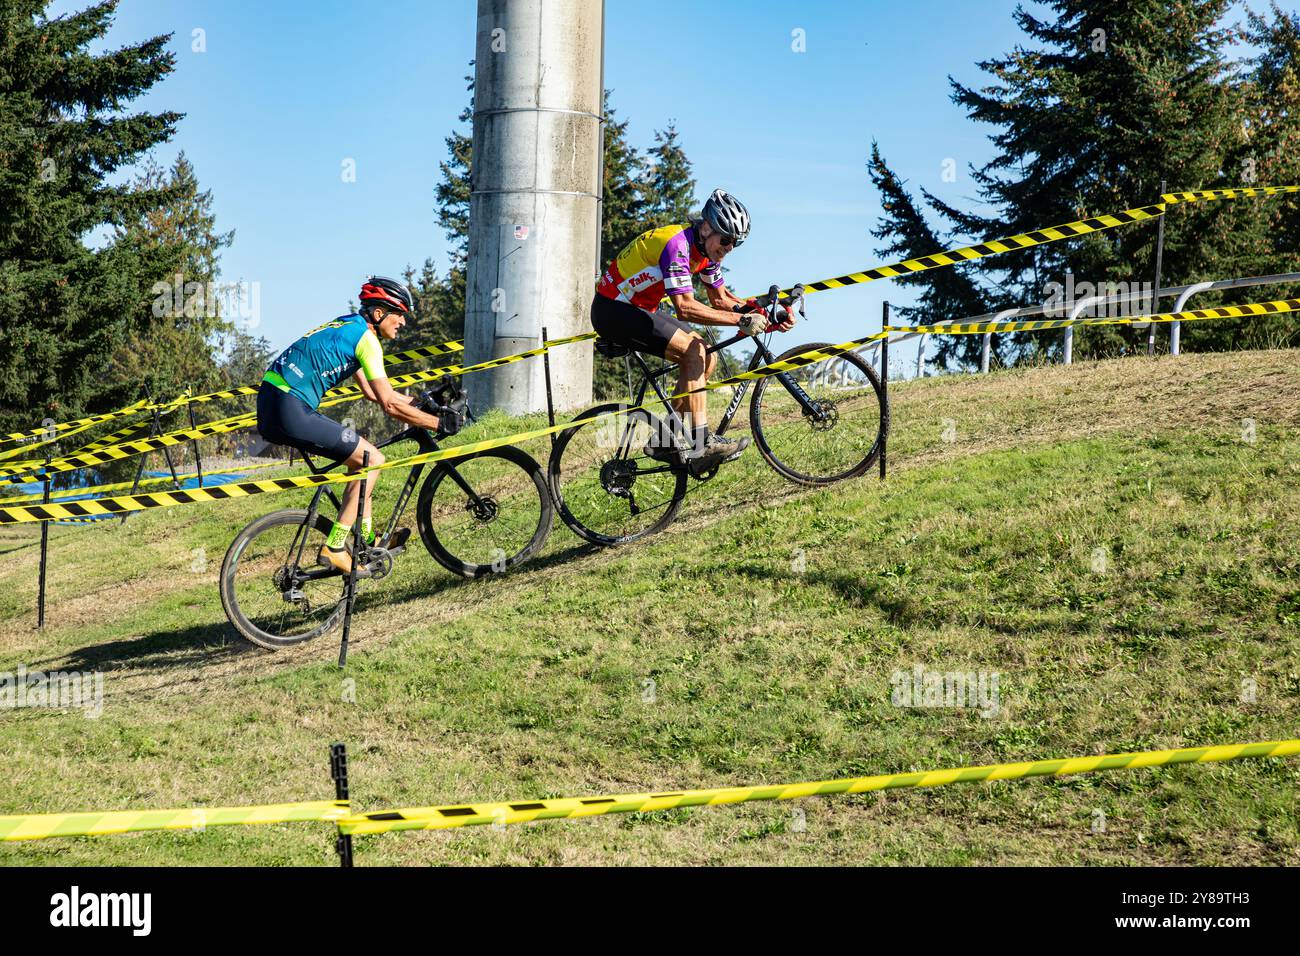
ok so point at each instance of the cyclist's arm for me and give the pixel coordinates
(375, 385)
(396, 405)
(691, 309)
(721, 298)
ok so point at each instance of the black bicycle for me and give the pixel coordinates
(823, 422)
(481, 514)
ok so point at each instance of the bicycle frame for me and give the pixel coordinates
(762, 356)
(425, 442)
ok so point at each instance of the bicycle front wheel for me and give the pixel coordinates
(608, 489)
(837, 433)
(485, 513)
(271, 588)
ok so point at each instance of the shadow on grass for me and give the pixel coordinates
(191, 646)
(859, 591)
(204, 645)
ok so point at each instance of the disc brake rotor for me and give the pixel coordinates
(485, 509)
(825, 415)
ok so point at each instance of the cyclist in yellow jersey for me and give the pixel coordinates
(663, 262)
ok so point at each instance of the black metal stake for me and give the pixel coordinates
(45, 547)
(339, 773)
(1155, 299)
(356, 556)
(167, 452)
(884, 383)
(546, 365)
(139, 468)
(198, 458)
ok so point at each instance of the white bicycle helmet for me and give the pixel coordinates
(725, 213)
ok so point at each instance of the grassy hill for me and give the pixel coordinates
(1107, 537)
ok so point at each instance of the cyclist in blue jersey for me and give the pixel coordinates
(292, 389)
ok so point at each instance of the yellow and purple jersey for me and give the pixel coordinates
(657, 263)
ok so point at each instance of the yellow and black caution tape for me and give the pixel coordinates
(920, 264)
(42, 825)
(166, 499)
(1222, 312)
(129, 433)
(144, 405)
(65, 427)
(525, 811)
(138, 447)
(1038, 237)
(62, 493)
(336, 396)
(1236, 192)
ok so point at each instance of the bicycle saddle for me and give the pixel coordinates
(611, 349)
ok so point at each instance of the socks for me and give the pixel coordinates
(338, 536)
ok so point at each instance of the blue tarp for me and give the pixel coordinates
(216, 478)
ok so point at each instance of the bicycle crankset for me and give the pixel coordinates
(378, 562)
(702, 474)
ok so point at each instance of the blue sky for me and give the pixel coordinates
(287, 90)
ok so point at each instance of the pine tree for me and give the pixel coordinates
(669, 186)
(174, 341)
(65, 307)
(1109, 99)
(948, 293)
(623, 214)
(453, 193)
(1268, 239)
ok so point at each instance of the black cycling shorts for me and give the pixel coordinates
(286, 419)
(625, 324)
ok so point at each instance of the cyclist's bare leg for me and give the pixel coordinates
(348, 513)
(694, 365)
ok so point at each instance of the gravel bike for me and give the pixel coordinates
(481, 514)
(823, 422)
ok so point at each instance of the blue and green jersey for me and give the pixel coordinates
(323, 357)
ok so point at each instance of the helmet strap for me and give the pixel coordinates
(697, 239)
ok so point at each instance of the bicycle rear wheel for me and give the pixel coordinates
(271, 588)
(608, 490)
(843, 435)
(485, 513)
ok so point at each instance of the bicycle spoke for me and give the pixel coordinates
(601, 472)
(498, 528)
(837, 438)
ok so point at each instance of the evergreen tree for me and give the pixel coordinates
(623, 214)
(1269, 154)
(66, 307)
(949, 293)
(669, 187)
(1109, 99)
(453, 193)
(439, 308)
(173, 343)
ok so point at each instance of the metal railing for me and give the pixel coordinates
(1182, 294)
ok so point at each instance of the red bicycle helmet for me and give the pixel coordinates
(380, 290)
